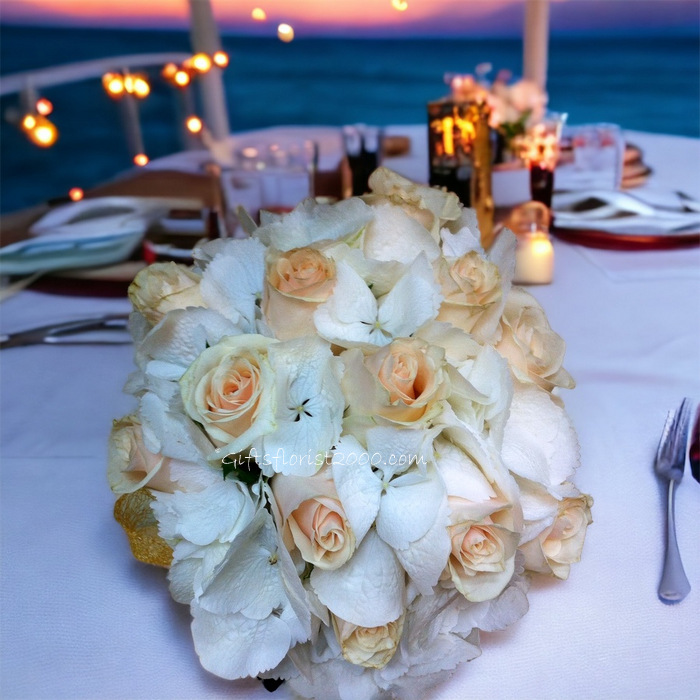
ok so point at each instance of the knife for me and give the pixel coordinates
(109, 329)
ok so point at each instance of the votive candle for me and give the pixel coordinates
(534, 258)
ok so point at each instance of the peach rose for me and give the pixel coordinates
(163, 287)
(298, 281)
(482, 560)
(131, 465)
(229, 390)
(371, 647)
(559, 545)
(401, 381)
(472, 289)
(535, 352)
(311, 515)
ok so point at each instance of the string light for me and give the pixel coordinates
(221, 59)
(141, 159)
(116, 85)
(258, 14)
(194, 124)
(201, 62)
(43, 133)
(181, 78)
(400, 5)
(76, 194)
(43, 106)
(28, 122)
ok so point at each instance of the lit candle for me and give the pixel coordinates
(534, 258)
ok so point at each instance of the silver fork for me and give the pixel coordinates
(669, 465)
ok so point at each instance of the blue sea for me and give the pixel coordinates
(649, 84)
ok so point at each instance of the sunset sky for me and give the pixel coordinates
(369, 17)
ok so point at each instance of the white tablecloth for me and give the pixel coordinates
(82, 619)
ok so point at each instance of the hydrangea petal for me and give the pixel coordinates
(358, 487)
(368, 590)
(539, 441)
(234, 646)
(409, 507)
(233, 281)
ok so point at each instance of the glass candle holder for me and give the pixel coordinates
(539, 148)
(534, 253)
(459, 151)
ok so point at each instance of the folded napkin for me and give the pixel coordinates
(649, 213)
(88, 233)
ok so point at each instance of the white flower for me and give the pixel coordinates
(353, 316)
(392, 485)
(539, 441)
(311, 222)
(232, 282)
(253, 609)
(163, 287)
(535, 352)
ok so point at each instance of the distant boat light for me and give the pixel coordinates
(285, 32)
(141, 159)
(400, 5)
(76, 194)
(258, 14)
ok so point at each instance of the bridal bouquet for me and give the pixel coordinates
(349, 450)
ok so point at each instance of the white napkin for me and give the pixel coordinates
(619, 212)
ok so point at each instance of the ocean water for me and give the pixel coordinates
(640, 83)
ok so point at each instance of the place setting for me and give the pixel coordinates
(375, 382)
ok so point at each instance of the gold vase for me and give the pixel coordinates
(481, 196)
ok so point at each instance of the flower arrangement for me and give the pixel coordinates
(349, 451)
(514, 105)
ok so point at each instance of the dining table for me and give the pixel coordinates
(80, 618)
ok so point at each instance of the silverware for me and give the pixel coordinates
(110, 329)
(669, 465)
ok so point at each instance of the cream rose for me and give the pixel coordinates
(559, 545)
(313, 519)
(535, 352)
(430, 207)
(163, 287)
(371, 647)
(401, 381)
(229, 390)
(472, 289)
(131, 465)
(482, 560)
(297, 282)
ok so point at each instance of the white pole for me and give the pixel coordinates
(204, 37)
(536, 41)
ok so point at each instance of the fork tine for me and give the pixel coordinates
(680, 430)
